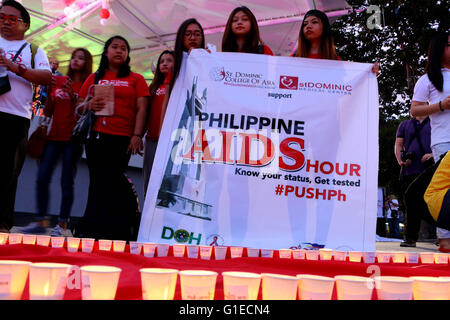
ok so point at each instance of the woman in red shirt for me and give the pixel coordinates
(111, 209)
(242, 33)
(158, 90)
(61, 108)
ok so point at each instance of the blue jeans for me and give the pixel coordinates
(71, 153)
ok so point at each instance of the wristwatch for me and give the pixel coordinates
(21, 69)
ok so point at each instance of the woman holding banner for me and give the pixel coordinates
(242, 33)
(190, 36)
(432, 98)
(158, 104)
(111, 210)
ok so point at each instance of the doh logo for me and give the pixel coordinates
(180, 236)
(287, 82)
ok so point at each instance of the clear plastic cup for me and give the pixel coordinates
(279, 287)
(312, 287)
(162, 249)
(104, 245)
(236, 252)
(87, 245)
(192, 251)
(394, 288)
(158, 284)
(48, 280)
(205, 252)
(99, 282)
(29, 239)
(119, 245)
(354, 287)
(325, 253)
(149, 249)
(299, 254)
(220, 253)
(178, 250)
(431, 288)
(198, 284)
(73, 244)
(285, 253)
(241, 285)
(252, 253)
(13, 276)
(135, 247)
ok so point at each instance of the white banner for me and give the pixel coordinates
(266, 152)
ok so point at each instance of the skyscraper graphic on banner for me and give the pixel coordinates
(183, 186)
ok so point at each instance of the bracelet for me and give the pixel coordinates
(440, 105)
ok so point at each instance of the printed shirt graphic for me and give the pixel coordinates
(64, 118)
(126, 91)
(18, 100)
(156, 114)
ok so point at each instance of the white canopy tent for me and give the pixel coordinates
(151, 25)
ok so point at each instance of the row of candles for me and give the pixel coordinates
(48, 281)
(151, 250)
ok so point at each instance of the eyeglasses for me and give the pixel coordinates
(10, 18)
(195, 34)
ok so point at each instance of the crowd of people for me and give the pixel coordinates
(139, 110)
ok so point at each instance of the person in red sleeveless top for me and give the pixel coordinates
(111, 210)
(158, 91)
(242, 33)
(315, 40)
(61, 108)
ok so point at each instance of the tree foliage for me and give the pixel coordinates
(400, 46)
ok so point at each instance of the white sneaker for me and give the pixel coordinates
(58, 231)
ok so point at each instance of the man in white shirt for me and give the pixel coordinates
(15, 104)
(391, 206)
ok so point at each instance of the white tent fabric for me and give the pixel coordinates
(151, 25)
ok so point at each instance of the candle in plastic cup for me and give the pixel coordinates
(369, 257)
(135, 247)
(3, 238)
(279, 287)
(15, 238)
(149, 249)
(240, 285)
(285, 253)
(192, 251)
(73, 244)
(412, 257)
(205, 252)
(220, 253)
(383, 257)
(325, 254)
(162, 249)
(394, 288)
(104, 245)
(42, 240)
(48, 280)
(298, 254)
(440, 258)
(312, 287)
(57, 242)
(426, 257)
(266, 253)
(158, 284)
(252, 253)
(354, 288)
(29, 239)
(99, 282)
(398, 257)
(236, 252)
(13, 276)
(431, 288)
(354, 256)
(312, 254)
(119, 245)
(340, 255)
(178, 250)
(87, 245)
(198, 284)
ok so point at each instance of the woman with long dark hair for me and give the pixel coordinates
(60, 106)
(190, 36)
(432, 98)
(315, 40)
(242, 33)
(111, 210)
(158, 91)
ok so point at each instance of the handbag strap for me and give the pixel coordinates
(19, 51)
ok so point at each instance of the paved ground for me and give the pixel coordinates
(395, 246)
